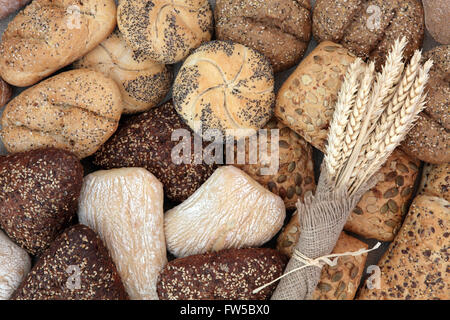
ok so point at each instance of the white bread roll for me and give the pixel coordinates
(51, 34)
(143, 82)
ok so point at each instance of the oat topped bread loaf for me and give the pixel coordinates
(369, 28)
(76, 110)
(294, 176)
(165, 30)
(429, 140)
(77, 266)
(279, 29)
(380, 211)
(15, 263)
(306, 101)
(51, 34)
(39, 195)
(225, 275)
(230, 210)
(225, 86)
(125, 207)
(416, 264)
(146, 141)
(143, 82)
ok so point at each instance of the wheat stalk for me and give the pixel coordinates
(346, 99)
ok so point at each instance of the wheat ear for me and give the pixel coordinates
(404, 120)
(346, 99)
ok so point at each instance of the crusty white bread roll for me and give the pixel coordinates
(50, 34)
(9, 6)
(143, 82)
(76, 110)
(166, 30)
(225, 86)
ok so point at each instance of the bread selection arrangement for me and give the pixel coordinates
(49, 35)
(169, 149)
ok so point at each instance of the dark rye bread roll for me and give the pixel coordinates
(368, 28)
(225, 275)
(39, 196)
(165, 30)
(225, 86)
(77, 254)
(279, 29)
(146, 141)
(429, 140)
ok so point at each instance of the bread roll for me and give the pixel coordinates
(39, 195)
(436, 19)
(167, 31)
(294, 178)
(225, 275)
(50, 34)
(436, 180)
(5, 92)
(429, 139)
(15, 263)
(306, 101)
(369, 28)
(125, 207)
(415, 267)
(279, 29)
(225, 86)
(76, 110)
(230, 210)
(9, 6)
(143, 83)
(77, 266)
(380, 212)
(146, 141)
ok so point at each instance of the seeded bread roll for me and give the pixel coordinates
(15, 263)
(436, 180)
(279, 29)
(429, 140)
(51, 34)
(76, 110)
(416, 264)
(305, 102)
(77, 266)
(143, 83)
(380, 212)
(225, 275)
(336, 283)
(5, 92)
(225, 86)
(146, 141)
(39, 196)
(436, 19)
(230, 210)
(293, 178)
(369, 28)
(167, 31)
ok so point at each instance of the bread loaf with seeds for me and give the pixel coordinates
(39, 196)
(165, 30)
(143, 83)
(51, 34)
(339, 282)
(369, 28)
(279, 29)
(76, 110)
(294, 176)
(436, 180)
(225, 275)
(76, 266)
(415, 266)
(145, 141)
(380, 212)
(306, 101)
(225, 86)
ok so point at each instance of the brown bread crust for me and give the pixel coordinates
(76, 246)
(39, 196)
(5, 92)
(226, 275)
